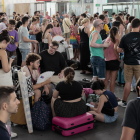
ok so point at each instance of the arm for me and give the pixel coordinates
(34, 33)
(25, 39)
(88, 31)
(121, 45)
(5, 65)
(102, 100)
(49, 39)
(55, 94)
(115, 50)
(127, 133)
(93, 43)
(121, 30)
(76, 31)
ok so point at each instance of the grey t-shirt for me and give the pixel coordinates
(23, 31)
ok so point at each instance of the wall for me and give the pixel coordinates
(99, 9)
(9, 5)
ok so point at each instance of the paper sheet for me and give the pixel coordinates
(56, 79)
(44, 76)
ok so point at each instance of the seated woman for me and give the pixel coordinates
(99, 89)
(70, 103)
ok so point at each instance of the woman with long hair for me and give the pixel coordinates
(112, 59)
(33, 33)
(122, 26)
(5, 65)
(107, 101)
(46, 37)
(44, 24)
(70, 103)
(84, 46)
(56, 28)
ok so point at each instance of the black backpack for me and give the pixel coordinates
(103, 34)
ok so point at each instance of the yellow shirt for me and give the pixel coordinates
(105, 28)
(66, 25)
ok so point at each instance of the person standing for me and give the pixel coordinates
(24, 41)
(66, 26)
(130, 44)
(47, 16)
(11, 48)
(96, 51)
(84, 46)
(3, 24)
(59, 18)
(106, 21)
(8, 105)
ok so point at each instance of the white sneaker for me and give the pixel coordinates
(122, 104)
(13, 135)
(132, 89)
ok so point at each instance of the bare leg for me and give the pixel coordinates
(37, 94)
(36, 48)
(95, 78)
(52, 106)
(32, 47)
(112, 80)
(107, 77)
(99, 116)
(68, 41)
(126, 92)
(23, 64)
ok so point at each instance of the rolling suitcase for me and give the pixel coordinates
(74, 125)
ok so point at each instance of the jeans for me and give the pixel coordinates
(99, 67)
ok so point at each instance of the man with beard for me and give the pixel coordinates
(31, 69)
(8, 105)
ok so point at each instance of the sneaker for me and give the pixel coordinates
(132, 89)
(122, 104)
(13, 135)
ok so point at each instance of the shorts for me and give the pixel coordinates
(24, 53)
(67, 35)
(110, 119)
(33, 37)
(99, 67)
(112, 65)
(130, 71)
(65, 109)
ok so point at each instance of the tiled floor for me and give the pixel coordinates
(100, 132)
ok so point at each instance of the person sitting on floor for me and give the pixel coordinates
(107, 101)
(31, 69)
(70, 103)
(52, 60)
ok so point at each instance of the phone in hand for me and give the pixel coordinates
(13, 57)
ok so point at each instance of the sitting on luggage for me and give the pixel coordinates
(66, 100)
(107, 107)
(8, 105)
(31, 69)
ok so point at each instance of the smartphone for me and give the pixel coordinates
(13, 56)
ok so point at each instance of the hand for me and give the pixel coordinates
(48, 81)
(11, 60)
(107, 44)
(139, 89)
(60, 75)
(35, 41)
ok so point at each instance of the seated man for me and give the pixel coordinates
(52, 60)
(8, 105)
(31, 69)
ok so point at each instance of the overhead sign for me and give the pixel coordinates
(97, 5)
(88, 1)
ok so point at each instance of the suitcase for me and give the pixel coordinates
(74, 125)
(19, 117)
(120, 77)
(85, 83)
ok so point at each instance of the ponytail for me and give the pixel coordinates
(113, 32)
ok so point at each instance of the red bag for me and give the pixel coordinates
(78, 39)
(74, 125)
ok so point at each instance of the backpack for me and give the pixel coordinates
(103, 34)
(41, 114)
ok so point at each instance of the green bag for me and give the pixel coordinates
(92, 98)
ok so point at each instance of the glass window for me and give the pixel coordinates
(137, 10)
(114, 9)
(109, 9)
(120, 8)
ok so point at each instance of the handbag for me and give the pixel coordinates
(108, 111)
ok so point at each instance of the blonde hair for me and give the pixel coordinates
(44, 21)
(79, 22)
(54, 16)
(85, 20)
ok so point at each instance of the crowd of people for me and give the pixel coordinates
(96, 39)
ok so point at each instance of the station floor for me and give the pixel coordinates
(101, 131)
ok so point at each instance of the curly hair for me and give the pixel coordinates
(32, 57)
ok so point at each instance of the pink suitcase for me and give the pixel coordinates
(74, 125)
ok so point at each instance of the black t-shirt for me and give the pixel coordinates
(68, 91)
(132, 116)
(109, 26)
(4, 135)
(54, 62)
(130, 43)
